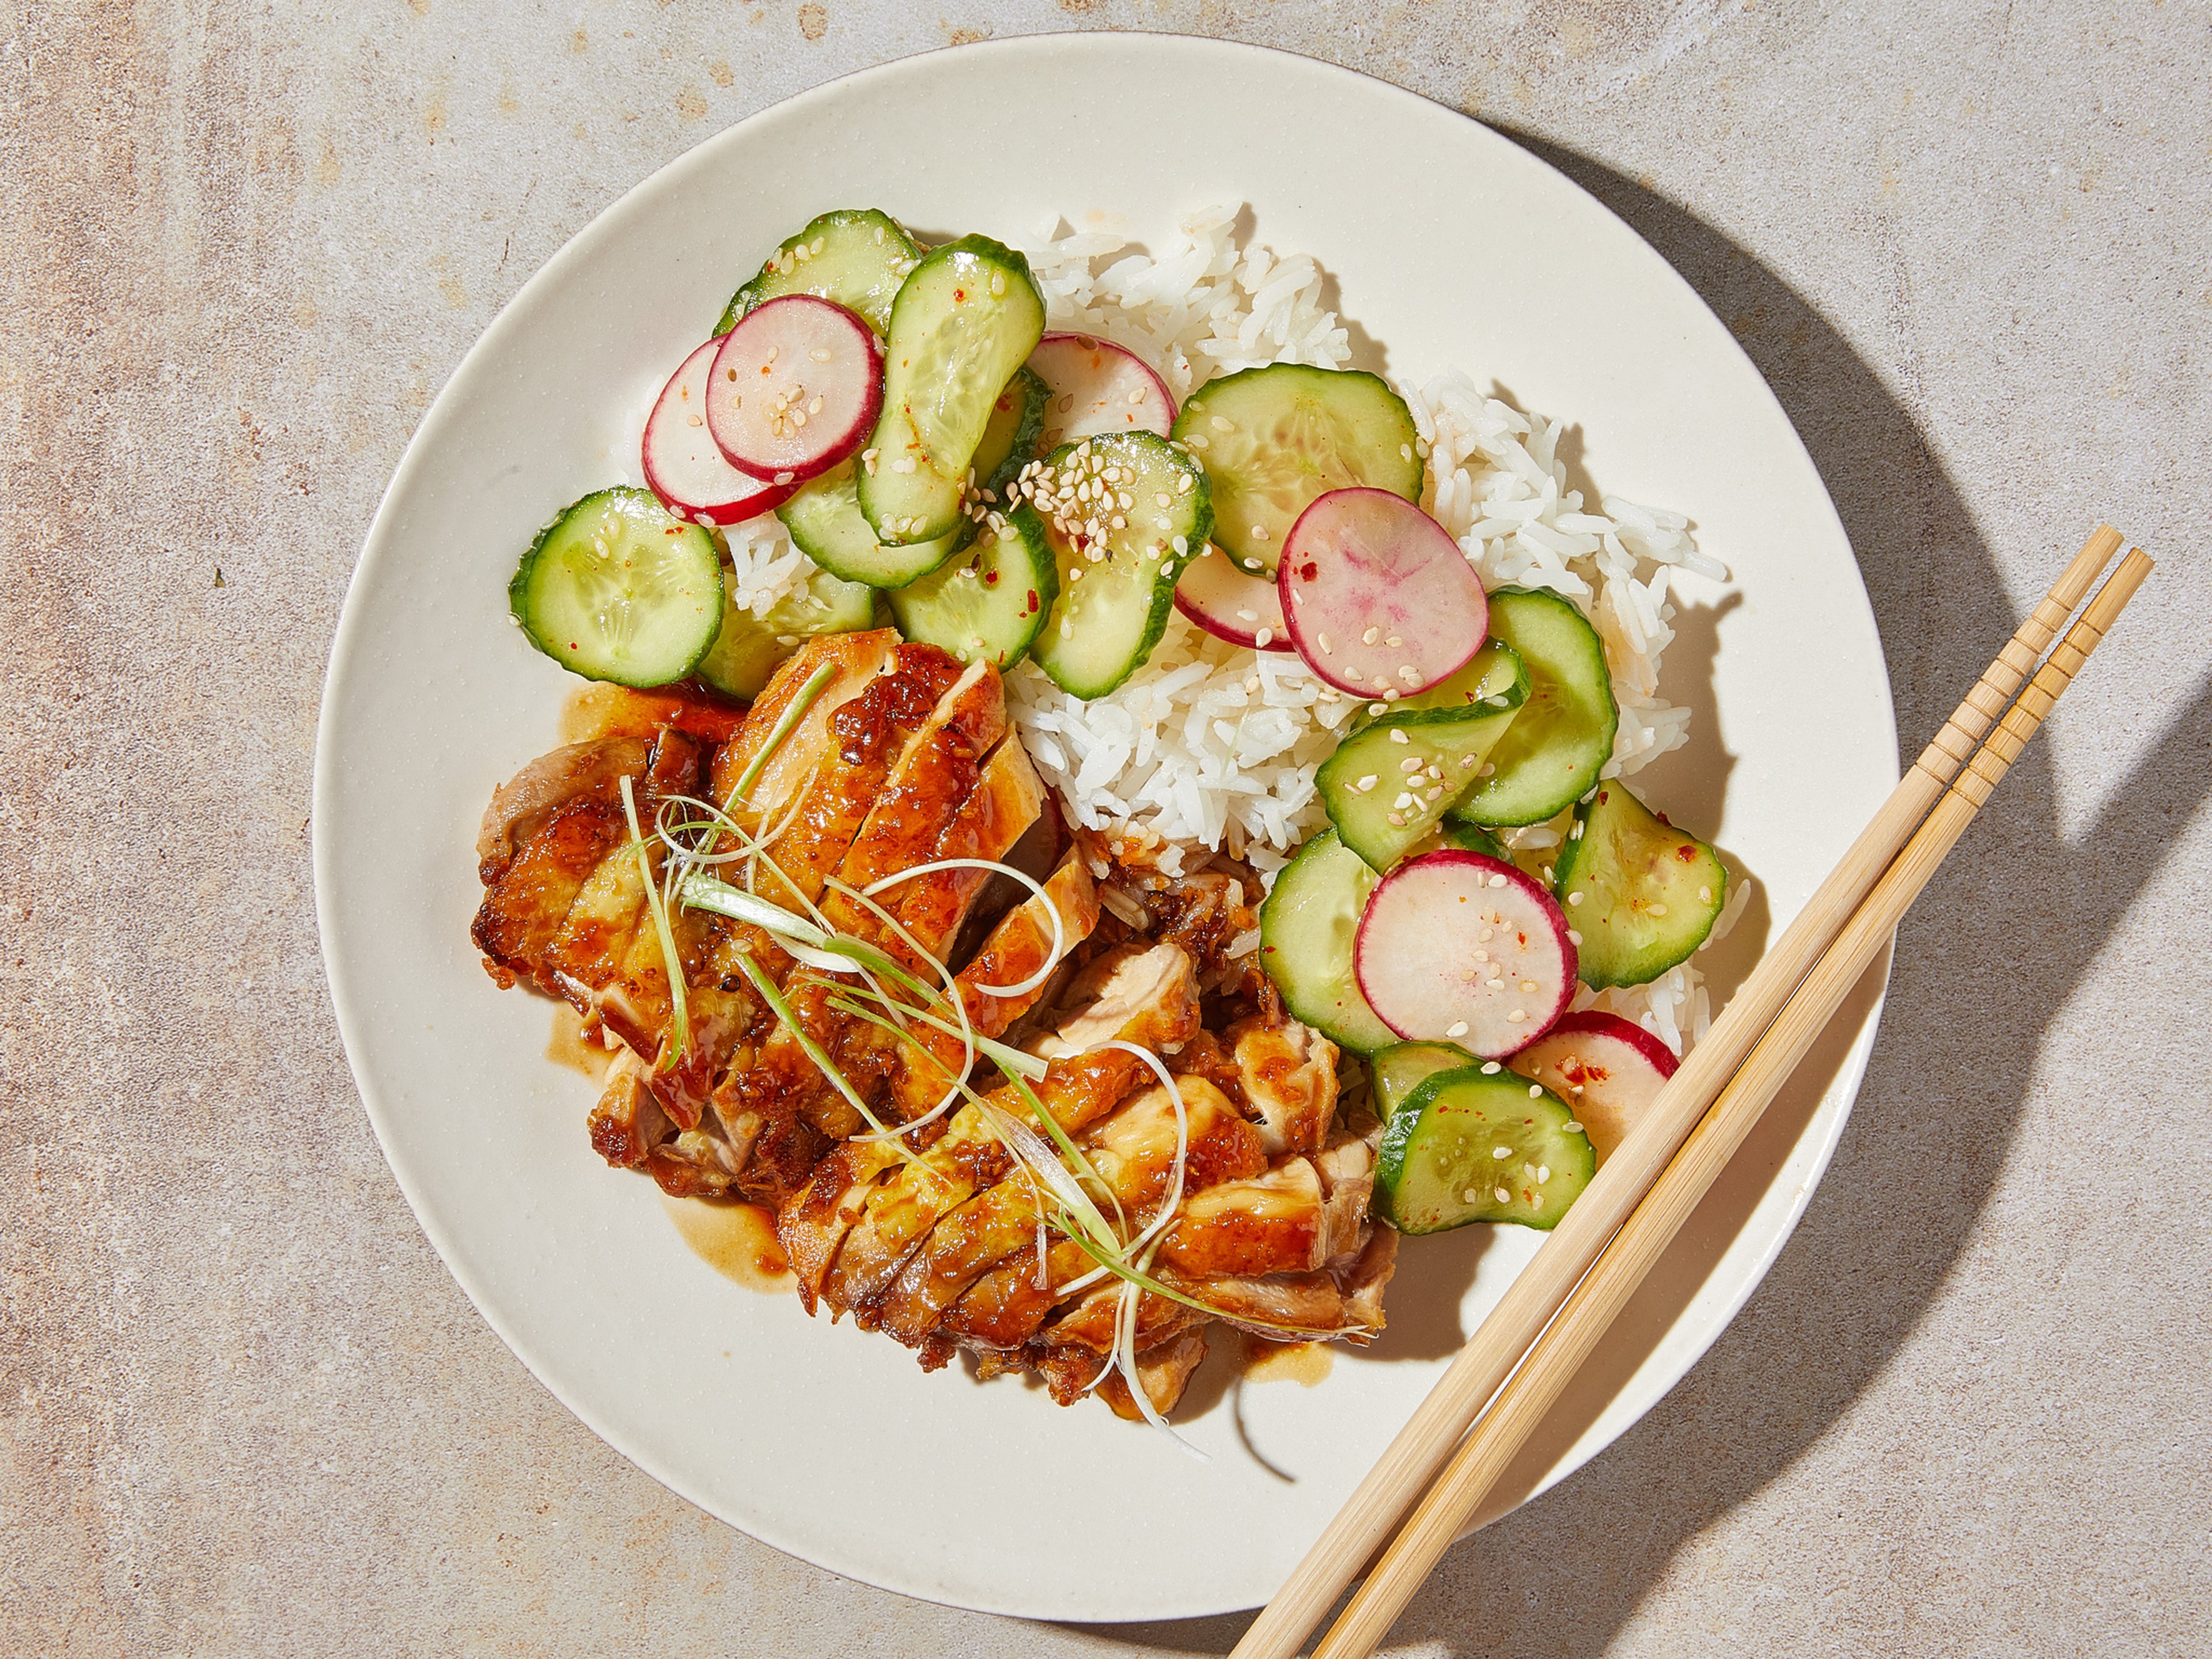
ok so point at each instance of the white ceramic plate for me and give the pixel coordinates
(1452, 245)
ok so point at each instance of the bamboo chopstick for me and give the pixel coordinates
(1559, 1350)
(1412, 1459)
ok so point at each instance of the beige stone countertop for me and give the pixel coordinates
(243, 1408)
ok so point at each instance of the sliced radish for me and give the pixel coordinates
(1606, 1068)
(1378, 598)
(1094, 387)
(1455, 947)
(1231, 604)
(685, 467)
(795, 389)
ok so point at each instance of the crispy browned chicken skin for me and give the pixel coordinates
(905, 758)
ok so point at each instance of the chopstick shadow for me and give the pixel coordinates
(1996, 946)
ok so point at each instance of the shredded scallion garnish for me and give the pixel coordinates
(656, 901)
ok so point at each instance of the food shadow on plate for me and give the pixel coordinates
(1967, 1009)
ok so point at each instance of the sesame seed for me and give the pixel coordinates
(1406, 452)
(1398, 736)
(1482, 955)
(1408, 673)
(1244, 615)
(1394, 643)
(904, 464)
(1501, 1153)
(1456, 1028)
(997, 282)
(820, 354)
(1571, 1125)
(1705, 895)
(1378, 707)
(1264, 638)
(1366, 783)
(1327, 649)
(1655, 909)
(1497, 881)
(1138, 396)
(1220, 425)
(1402, 802)
(1259, 533)
(1573, 937)
(1530, 987)
(1183, 546)
(1184, 483)
(1543, 1173)
(1371, 636)
(1574, 898)
(1515, 1015)
(1196, 440)
(772, 351)
(1504, 1197)
(1535, 1092)
(1397, 821)
(1492, 1068)
(1529, 1170)
(1411, 763)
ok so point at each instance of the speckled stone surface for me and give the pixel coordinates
(243, 1410)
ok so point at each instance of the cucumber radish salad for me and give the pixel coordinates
(1137, 818)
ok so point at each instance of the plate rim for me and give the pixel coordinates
(348, 1001)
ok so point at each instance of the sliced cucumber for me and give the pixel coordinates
(1563, 736)
(988, 603)
(856, 256)
(750, 648)
(1010, 436)
(824, 519)
(1307, 927)
(1456, 831)
(1403, 1068)
(964, 320)
(1121, 514)
(1642, 894)
(1389, 782)
(1275, 438)
(618, 588)
(1441, 1167)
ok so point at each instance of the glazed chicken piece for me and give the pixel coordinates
(900, 760)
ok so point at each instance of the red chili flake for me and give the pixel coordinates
(1307, 572)
(960, 294)
(1031, 611)
(1687, 854)
(990, 579)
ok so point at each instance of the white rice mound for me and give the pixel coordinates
(1214, 746)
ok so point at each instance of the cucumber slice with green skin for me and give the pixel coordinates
(988, 603)
(1121, 514)
(1471, 1146)
(750, 648)
(856, 256)
(1399, 1070)
(1012, 435)
(965, 318)
(1455, 831)
(1390, 782)
(616, 588)
(1563, 736)
(1307, 927)
(1642, 894)
(1275, 439)
(825, 521)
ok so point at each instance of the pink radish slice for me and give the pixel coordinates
(1378, 598)
(1094, 388)
(1455, 947)
(1231, 604)
(685, 467)
(795, 389)
(1605, 1068)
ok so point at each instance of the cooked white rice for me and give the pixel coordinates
(1213, 745)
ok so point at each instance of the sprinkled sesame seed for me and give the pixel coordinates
(1492, 1068)
(1574, 898)
(1535, 1092)
(1543, 1173)
(1393, 642)
(1397, 820)
(1573, 937)
(1371, 636)
(1515, 1015)
(1398, 735)
(1705, 895)
(1411, 763)
(820, 354)
(1571, 1125)
(1655, 909)
(1378, 707)
(1497, 881)
(1501, 1153)
(1264, 638)
(1504, 1197)
(1366, 783)
(1456, 1028)
(1402, 802)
